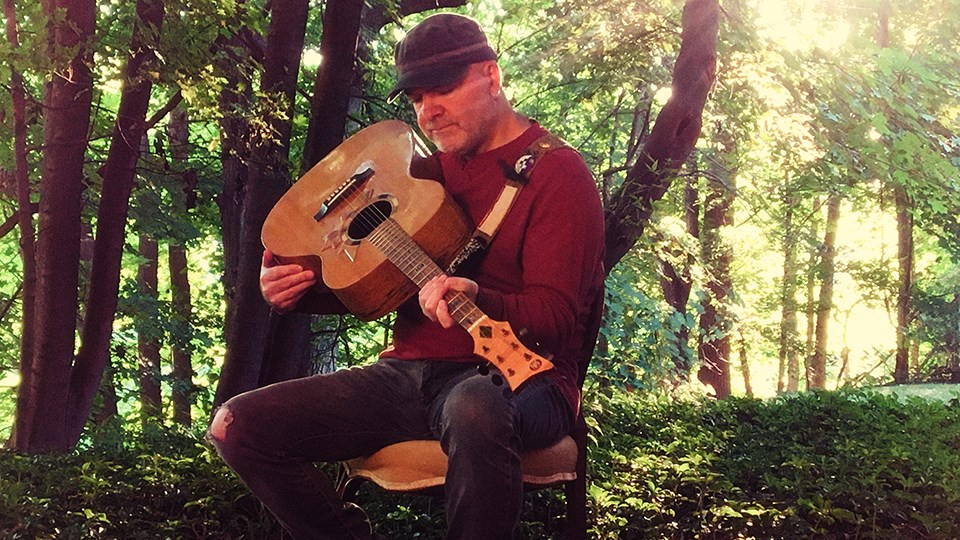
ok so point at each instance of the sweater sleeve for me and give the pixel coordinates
(561, 248)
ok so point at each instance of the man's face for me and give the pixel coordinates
(458, 117)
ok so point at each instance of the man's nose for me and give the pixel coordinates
(431, 106)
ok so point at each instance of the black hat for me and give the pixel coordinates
(438, 51)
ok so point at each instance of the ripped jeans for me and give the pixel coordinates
(272, 436)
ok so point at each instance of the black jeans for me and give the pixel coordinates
(273, 436)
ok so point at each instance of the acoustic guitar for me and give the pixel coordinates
(376, 235)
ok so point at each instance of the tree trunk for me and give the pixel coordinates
(676, 284)
(789, 335)
(247, 321)
(182, 306)
(335, 80)
(42, 416)
(901, 370)
(234, 101)
(378, 14)
(288, 352)
(182, 376)
(674, 134)
(118, 176)
(818, 364)
(148, 341)
(810, 306)
(715, 323)
(745, 367)
(24, 219)
(109, 393)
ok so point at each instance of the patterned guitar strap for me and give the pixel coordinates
(517, 176)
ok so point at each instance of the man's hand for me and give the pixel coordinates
(282, 285)
(431, 297)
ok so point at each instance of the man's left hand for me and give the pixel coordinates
(432, 301)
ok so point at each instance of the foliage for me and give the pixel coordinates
(166, 485)
(824, 465)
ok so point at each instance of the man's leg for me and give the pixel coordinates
(483, 433)
(272, 436)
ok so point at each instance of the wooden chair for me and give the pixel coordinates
(421, 466)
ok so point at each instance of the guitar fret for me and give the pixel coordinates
(407, 256)
(364, 214)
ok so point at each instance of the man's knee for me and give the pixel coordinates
(218, 428)
(477, 408)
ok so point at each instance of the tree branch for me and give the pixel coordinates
(673, 135)
(172, 103)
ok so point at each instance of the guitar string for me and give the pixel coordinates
(383, 225)
(464, 309)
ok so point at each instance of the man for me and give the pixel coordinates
(542, 272)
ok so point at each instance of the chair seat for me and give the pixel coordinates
(418, 465)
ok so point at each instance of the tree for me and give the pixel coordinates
(182, 307)
(818, 362)
(789, 334)
(716, 323)
(41, 419)
(674, 133)
(283, 352)
(247, 313)
(67, 385)
(901, 370)
(25, 210)
(148, 342)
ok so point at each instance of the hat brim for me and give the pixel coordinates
(433, 77)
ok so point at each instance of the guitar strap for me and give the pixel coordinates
(517, 177)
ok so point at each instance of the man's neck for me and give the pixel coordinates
(506, 126)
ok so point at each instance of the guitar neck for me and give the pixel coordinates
(410, 259)
(493, 340)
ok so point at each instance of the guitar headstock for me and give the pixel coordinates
(498, 344)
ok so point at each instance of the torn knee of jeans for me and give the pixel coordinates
(218, 428)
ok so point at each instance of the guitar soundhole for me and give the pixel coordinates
(368, 219)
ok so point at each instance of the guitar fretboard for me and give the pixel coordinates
(410, 258)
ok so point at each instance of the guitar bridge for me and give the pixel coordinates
(343, 191)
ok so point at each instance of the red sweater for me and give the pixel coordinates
(543, 269)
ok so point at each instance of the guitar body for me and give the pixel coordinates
(323, 220)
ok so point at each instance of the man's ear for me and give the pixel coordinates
(492, 70)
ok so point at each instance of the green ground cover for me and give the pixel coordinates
(816, 465)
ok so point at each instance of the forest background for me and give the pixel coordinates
(794, 230)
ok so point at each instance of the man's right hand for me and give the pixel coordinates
(282, 285)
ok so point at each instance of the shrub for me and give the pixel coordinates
(816, 465)
(183, 491)
(824, 465)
